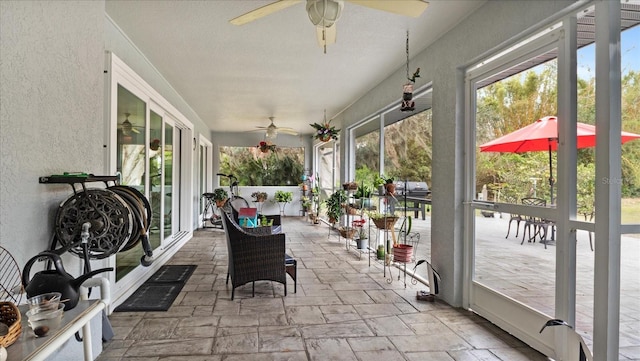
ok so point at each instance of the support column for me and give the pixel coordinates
(608, 182)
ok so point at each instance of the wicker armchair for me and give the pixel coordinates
(256, 257)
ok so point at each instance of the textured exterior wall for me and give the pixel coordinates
(493, 24)
(51, 112)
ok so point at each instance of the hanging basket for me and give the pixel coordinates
(402, 253)
(347, 232)
(10, 316)
(385, 223)
(325, 137)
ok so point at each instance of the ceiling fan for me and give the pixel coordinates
(325, 13)
(126, 127)
(272, 130)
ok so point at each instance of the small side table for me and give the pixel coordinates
(30, 348)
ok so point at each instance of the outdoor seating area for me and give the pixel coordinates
(344, 309)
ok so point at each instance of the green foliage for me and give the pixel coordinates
(334, 204)
(220, 194)
(283, 196)
(518, 101)
(364, 191)
(253, 168)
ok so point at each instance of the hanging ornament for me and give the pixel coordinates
(408, 105)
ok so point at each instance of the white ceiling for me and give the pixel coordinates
(236, 77)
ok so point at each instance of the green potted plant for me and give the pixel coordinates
(283, 196)
(383, 220)
(334, 205)
(363, 194)
(378, 183)
(306, 203)
(220, 196)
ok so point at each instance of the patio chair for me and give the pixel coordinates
(588, 217)
(514, 217)
(256, 257)
(539, 225)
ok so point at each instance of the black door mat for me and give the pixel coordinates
(159, 291)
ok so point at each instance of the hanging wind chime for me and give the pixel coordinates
(408, 105)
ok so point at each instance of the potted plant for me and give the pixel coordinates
(265, 147)
(259, 196)
(220, 196)
(378, 183)
(334, 205)
(325, 131)
(364, 195)
(306, 203)
(383, 220)
(283, 196)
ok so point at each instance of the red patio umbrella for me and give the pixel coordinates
(543, 135)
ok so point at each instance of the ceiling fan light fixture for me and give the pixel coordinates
(272, 132)
(324, 13)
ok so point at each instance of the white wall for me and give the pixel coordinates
(490, 26)
(51, 113)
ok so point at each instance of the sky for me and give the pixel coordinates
(629, 47)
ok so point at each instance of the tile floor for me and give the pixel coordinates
(344, 310)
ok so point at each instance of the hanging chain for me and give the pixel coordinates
(407, 54)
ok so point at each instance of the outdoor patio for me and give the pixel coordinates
(345, 309)
(527, 273)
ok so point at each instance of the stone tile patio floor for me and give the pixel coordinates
(344, 309)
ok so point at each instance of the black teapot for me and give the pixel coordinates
(55, 280)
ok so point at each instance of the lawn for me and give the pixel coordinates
(630, 210)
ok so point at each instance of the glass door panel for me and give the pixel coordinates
(155, 177)
(168, 191)
(131, 161)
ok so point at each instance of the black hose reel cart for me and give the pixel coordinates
(95, 223)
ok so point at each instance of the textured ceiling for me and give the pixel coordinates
(236, 77)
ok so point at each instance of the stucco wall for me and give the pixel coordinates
(51, 112)
(493, 24)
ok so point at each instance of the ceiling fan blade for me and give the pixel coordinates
(263, 11)
(330, 33)
(287, 131)
(412, 8)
